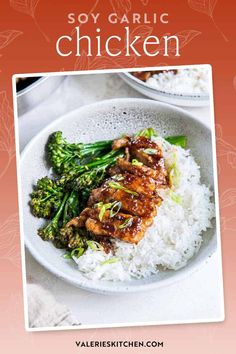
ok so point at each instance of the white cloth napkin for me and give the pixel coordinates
(45, 311)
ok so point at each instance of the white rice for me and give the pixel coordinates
(174, 237)
(185, 81)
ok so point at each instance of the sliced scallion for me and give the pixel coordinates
(147, 133)
(110, 261)
(117, 185)
(67, 255)
(102, 212)
(174, 174)
(115, 209)
(126, 223)
(77, 252)
(150, 151)
(95, 246)
(118, 177)
(175, 197)
(136, 163)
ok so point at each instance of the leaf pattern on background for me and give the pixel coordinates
(224, 148)
(218, 131)
(6, 37)
(231, 158)
(185, 37)
(228, 198)
(142, 30)
(28, 7)
(82, 62)
(9, 242)
(144, 2)
(228, 224)
(7, 145)
(121, 7)
(234, 82)
(103, 62)
(206, 7)
(107, 62)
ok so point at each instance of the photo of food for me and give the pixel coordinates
(118, 194)
(106, 196)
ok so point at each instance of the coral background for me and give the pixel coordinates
(28, 32)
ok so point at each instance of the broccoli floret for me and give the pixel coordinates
(88, 181)
(46, 198)
(81, 167)
(51, 230)
(73, 237)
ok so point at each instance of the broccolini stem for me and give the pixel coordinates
(103, 161)
(107, 159)
(58, 214)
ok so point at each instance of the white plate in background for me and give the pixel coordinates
(192, 100)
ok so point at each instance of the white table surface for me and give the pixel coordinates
(197, 297)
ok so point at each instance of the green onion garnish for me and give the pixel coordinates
(67, 255)
(77, 252)
(116, 185)
(147, 133)
(98, 205)
(103, 208)
(126, 223)
(150, 151)
(115, 209)
(95, 246)
(102, 212)
(136, 163)
(111, 260)
(118, 177)
(174, 174)
(175, 197)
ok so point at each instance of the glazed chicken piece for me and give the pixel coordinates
(159, 175)
(142, 75)
(140, 184)
(123, 142)
(146, 151)
(135, 185)
(125, 227)
(138, 204)
(145, 75)
(141, 148)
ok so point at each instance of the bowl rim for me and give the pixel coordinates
(87, 284)
(38, 82)
(194, 97)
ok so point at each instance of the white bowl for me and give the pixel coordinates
(192, 100)
(106, 120)
(38, 91)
